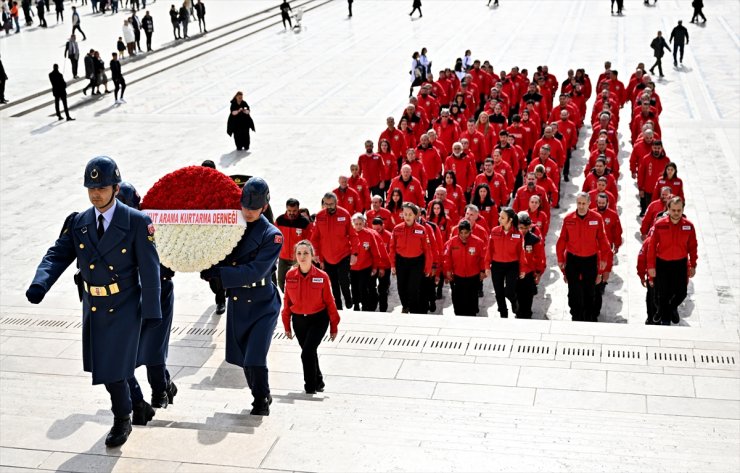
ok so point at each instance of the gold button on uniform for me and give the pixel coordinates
(93, 309)
(92, 266)
(82, 245)
(110, 310)
(123, 250)
(233, 263)
(235, 298)
(110, 267)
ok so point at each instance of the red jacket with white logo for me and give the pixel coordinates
(582, 236)
(308, 294)
(372, 168)
(464, 169)
(360, 185)
(672, 241)
(366, 249)
(533, 253)
(293, 230)
(676, 185)
(467, 259)
(650, 170)
(349, 200)
(505, 247)
(333, 236)
(411, 241)
(411, 190)
(500, 192)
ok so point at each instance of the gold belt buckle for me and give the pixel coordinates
(113, 288)
(98, 291)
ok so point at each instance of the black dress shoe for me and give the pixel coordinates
(171, 393)
(142, 414)
(119, 432)
(59, 117)
(320, 387)
(261, 407)
(432, 306)
(220, 308)
(160, 400)
(674, 317)
(480, 292)
(515, 306)
(70, 119)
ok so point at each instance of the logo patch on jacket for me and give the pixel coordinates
(150, 228)
(419, 232)
(593, 222)
(279, 239)
(299, 231)
(471, 250)
(341, 219)
(317, 280)
(686, 227)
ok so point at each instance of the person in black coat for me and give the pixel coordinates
(41, 13)
(175, 19)
(658, 44)
(240, 122)
(147, 24)
(118, 80)
(59, 89)
(200, 10)
(416, 6)
(285, 14)
(698, 7)
(681, 35)
(3, 79)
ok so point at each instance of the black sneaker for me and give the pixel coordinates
(160, 400)
(119, 432)
(261, 407)
(142, 414)
(674, 317)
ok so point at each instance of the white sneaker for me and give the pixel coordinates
(118, 102)
(123, 101)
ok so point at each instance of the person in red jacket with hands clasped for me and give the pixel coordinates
(308, 302)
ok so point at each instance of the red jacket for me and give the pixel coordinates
(447, 134)
(383, 213)
(533, 254)
(360, 185)
(541, 221)
(552, 169)
(650, 170)
(451, 210)
(411, 241)
(418, 171)
(676, 185)
(500, 192)
(411, 190)
(479, 230)
(467, 259)
(477, 142)
(503, 168)
(589, 183)
(391, 165)
(428, 104)
(384, 242)
(613, 230)
(642, 260)
(293, 230)
(431, 160)
(333, 236)
(640, 120)
(557, 153)
(457, 195)
(570, 131)
(436, 243)
(366, 249)
(349, 200)
(611, 162)
(464, 169)
(653, 209)
(521, 201)
(397, 139)
(672, 241)
(511, 156)
(594, 194)
(639, 150)
(505, 247)
(551, 189)
(372, 168)
(308, 294)
(582, 236)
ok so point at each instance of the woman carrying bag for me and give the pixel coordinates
(240, 122)
(309, 304)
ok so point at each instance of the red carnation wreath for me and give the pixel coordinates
(196, 211)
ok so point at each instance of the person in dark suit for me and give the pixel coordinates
(59, 89)
(119, 272)
(118, 80)
(658, 45)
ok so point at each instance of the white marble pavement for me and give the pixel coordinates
(316, 95)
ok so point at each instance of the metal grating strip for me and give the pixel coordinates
(408, 343)
(500, 348)
(716, 359)
(678, 357)
(624, 354)
(531, 349)
(446, 345)
(361, 340)
(567, 351)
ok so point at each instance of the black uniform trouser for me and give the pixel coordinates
(658, 64)
(465, 295)
(379, 292)
(283, 266)
(63, 99)
(650, 305)
(581, 272)
(376, 190)
(598, 300)
(120, 84)
(676, 48)
(148, 40)
(360, 282)
(157, 372)
(218, 289)
(504, 276)
(566, 166)
(698, 13)
(340, 285)
(644, 202)
(120, 397)
(525, 291)
(203, 21)
(176, 29)
(428, 293)
(409, 273)
(309, 330)
(415, 9)
(257, 381)
(2, 90)
(671, 285)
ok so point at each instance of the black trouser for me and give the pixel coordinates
(120, 397)
(658, 64)
(257, 381)
(432, 185)
(202, 20)
(379, 292)
(360, 282)
(525, 291)
(218, 289)
(42, 20)
(60, 15)
(158, 377)
(349, 5)
(63, 98)
(650, 305)
(309, 330)
(176, 29)
(283, 266)
(566, 166)
(598, 299)
(409, 273)
(148, 40)
(339, 277)
(185, 28)
(505, 276)
(671, 284)
(241, 139)
(676, 48)
(286, 17)
(119, 83)
(581, 273)
(465, 295)
(698, 13)
(428, 293)
(2, 90)
(74, 62)
(644, 202)
(376, 190)
(415, 9)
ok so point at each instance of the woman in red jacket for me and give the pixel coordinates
(670, 179)
(505, 255)
(395, 207)
(308, 302)
(481, 198)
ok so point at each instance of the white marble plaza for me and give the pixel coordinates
(545, 395)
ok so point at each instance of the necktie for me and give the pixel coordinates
(101, 228)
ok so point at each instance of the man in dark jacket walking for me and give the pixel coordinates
(698, 7)
(90, 72)
(681, 36)
(72, 51)
(59, 89)
(658, 44)
(118, 80)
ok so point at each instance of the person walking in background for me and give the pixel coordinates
(658, 45)
(147, 24)
(14, 16)
(59, 89)
(136, 25)
(76, 23)
(681, 35)
(3, 79)
(184, 17)
(175, 19)
(416, 5)
(118, 80)
(308, 303)
(240, 122)
(72, 51)
(698, 7)
(349, 6)
(40, 12)
(284, 12)
(200, 11)
(59, 8)
(121, 47)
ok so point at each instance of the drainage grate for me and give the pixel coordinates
(361, 340)
(500, 348)
(201, 331)
(578, 352)
(624, 354)
(678, 357)
(404, 343)
(16, 321)
(49, 323)
(446, 345)
(533, 350)
(716, 359)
